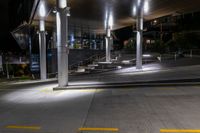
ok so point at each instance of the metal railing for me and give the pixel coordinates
(192, 53)
(185, 53)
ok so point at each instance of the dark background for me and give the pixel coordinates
(13, 13)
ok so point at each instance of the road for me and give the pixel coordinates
(36, 108)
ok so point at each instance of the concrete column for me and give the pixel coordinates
(95, 44)
(90, 40)
(140, 15)
(108, 41)
(30, 50)
(42, 46)
(62, 46)
(102, 45)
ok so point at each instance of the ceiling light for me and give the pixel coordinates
(42, 10)
(146, 6)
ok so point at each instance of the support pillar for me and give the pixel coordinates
(90, 40)
(140, 15)
(42, 46)
(108, 41)
(62, 46)
(95, 44)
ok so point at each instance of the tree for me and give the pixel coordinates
(185, 41)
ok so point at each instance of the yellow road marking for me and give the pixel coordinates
(179, 131)
(99, 129)
(24, 127)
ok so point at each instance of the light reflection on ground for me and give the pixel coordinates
(44, 94)
(155, 68)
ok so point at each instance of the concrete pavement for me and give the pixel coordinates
(146, 110)
(33, 107)
(39, 106)
(131, 110)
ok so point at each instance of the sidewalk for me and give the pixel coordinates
(184, 75)
(165, 73)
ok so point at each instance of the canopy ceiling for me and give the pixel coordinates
(90, 14)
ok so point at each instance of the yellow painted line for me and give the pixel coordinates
(179, 131)
(24, 127)
(99, 129)
(47, 91)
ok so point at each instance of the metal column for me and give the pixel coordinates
(62, 46)
(108, 40)
(140, 14)
(42, 45)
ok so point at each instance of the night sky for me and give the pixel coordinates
(4, 24)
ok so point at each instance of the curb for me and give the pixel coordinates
(185, 82)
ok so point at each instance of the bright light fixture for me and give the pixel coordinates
(106, 19)
(139, 1)
(62, 3)
(42, 10)
(126, 61)
(146, 55)
(134, 10)
(54, 11)
(110, 21)
(146, 6)
(119, 67)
